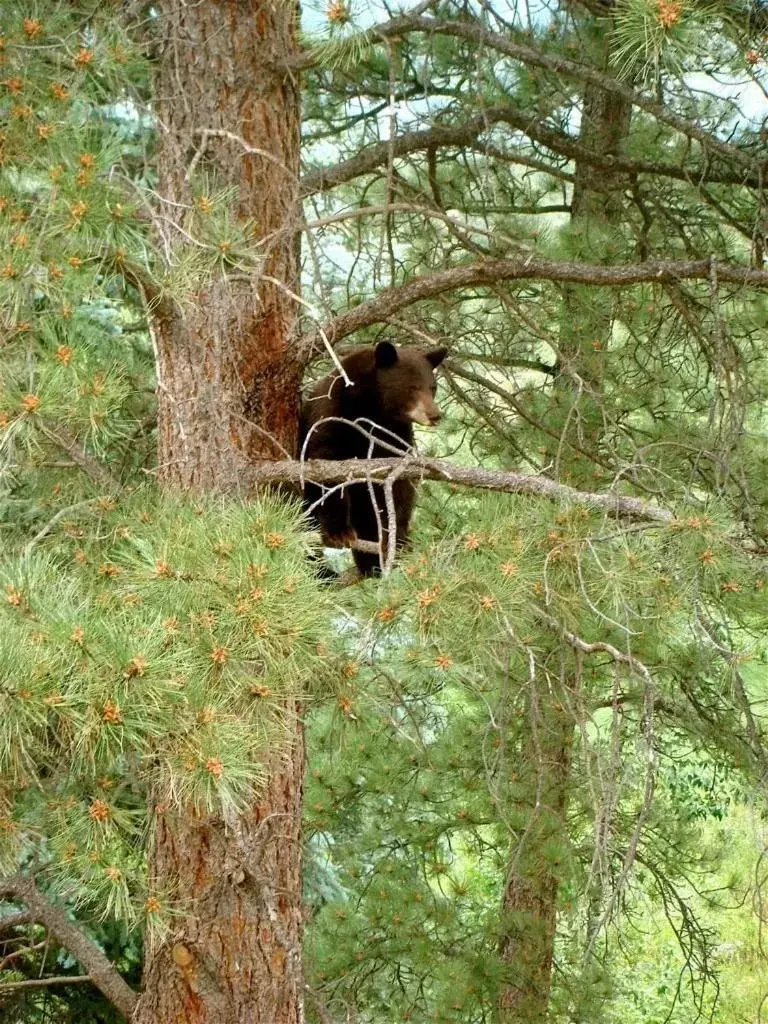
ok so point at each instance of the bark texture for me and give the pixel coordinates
(228, 385)
(235, 958)
(228, 392)
(529, 902)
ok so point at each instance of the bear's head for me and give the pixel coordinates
(405, 382)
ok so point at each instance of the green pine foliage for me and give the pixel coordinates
(416, 800)
(74, 367)
(150, 649)
(674, 36)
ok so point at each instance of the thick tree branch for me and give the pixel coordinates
(325, 178)
(335, 472)
(104, 976)
(468, 134)
(560, 66)
(529, 267)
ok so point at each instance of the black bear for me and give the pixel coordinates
(391, 390)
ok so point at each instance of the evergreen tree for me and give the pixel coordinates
(531, 724)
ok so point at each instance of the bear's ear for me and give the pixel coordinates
(385, 355)
(436, 356)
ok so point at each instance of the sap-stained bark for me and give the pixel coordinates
(228, 384)
(228, 390)
(235, 956)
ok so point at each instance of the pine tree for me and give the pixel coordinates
(656, 389)
(156, 649)
(497, 784)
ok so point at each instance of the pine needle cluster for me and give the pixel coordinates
(152, 650)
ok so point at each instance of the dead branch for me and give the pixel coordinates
(348, 471)
(61, 979)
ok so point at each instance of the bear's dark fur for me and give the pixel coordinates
(391, 390)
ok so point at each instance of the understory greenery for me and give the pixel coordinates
(541, 700)
(417, 799)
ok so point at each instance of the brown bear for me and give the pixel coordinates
(372, 417)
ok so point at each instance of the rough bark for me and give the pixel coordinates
(228, 391)
(228, 384)
(529, 901)
(235, 958)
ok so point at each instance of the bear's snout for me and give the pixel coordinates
(426, 412)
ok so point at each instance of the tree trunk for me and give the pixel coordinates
(228, 382)
(529, 901)
(235, 957)
(531, 890)
(228, 393)
(596, 204)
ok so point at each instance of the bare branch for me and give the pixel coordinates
(468, 133)
(560, 66)
(104, 976)
(527, 267)
(363, 470)
(62, 979)
(597, 647)
(90, 465)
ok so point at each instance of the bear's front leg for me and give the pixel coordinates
(344, 538)
(333, 516)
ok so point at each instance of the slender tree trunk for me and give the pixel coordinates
(529, 901)
(228, 391)
(531, 890)
(596, 205)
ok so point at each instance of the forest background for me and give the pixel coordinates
(520, 778)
